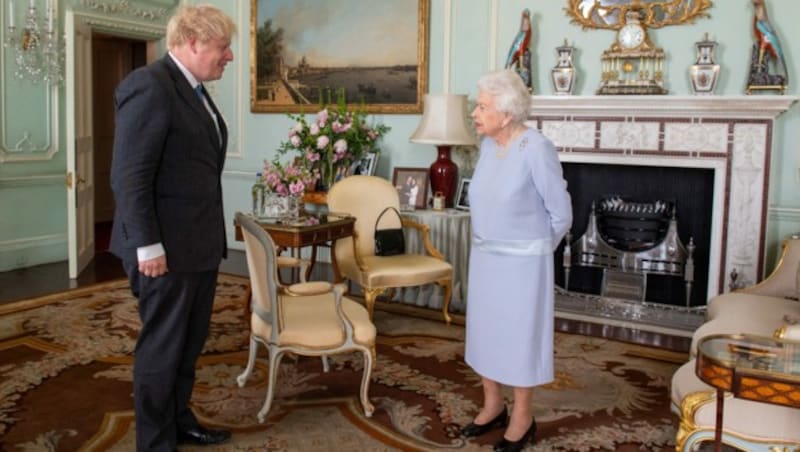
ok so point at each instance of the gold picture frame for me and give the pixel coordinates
(302, 57)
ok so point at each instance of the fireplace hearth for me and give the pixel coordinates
(717, 148)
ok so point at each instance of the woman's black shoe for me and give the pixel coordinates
(473, 429)
(505, 445)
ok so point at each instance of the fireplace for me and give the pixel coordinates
(685, 192)
(710, 153)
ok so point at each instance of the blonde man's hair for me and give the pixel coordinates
(203, 22)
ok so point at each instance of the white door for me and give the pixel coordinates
(80, 159)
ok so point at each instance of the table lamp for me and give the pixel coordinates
(444, 125)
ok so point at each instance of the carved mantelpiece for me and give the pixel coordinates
(731, 135)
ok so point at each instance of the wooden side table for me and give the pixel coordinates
(754, 368)
(309, 230)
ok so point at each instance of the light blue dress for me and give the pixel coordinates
(520, 211)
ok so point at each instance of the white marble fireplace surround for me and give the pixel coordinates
(731, 135)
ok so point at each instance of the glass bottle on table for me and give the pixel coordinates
(258, 195)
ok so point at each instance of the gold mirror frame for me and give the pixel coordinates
(608, 14)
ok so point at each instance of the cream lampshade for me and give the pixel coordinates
(444, 124)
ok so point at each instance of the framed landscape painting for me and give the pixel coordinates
(304, 52)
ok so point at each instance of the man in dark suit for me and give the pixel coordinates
(169, 150)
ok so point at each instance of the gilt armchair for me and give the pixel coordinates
(769, 308)
(307, 319)
(365, 197)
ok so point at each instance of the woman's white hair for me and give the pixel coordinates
(509, 92)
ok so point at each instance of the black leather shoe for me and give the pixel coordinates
(473, 429)
(203, 436)
(505, 445)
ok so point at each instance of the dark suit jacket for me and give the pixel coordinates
(166, 170)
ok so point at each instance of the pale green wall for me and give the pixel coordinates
(35, 210)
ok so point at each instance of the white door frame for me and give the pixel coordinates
(114, 26)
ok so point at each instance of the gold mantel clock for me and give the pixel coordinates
(633, 64)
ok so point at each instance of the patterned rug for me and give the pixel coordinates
(66, 366)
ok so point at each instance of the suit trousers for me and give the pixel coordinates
(175, 311)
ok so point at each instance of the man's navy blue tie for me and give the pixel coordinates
(199, 90)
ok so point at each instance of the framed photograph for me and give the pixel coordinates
(301, 52)
(412, 186)
(366, 165)
(462, 198)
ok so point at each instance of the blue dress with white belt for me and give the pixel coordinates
(520, 211)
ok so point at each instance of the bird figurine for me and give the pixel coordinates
(521, 41)
(767, 40)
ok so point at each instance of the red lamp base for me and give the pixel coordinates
(444, 175)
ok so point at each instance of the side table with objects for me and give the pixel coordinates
(309, 229)
(755, 368)
(450, 232)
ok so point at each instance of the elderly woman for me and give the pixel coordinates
(520, 212)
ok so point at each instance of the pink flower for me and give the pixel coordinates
(295, 140)
(322, 117)
(313, 129)
(311, 156)
(340, 146)
(297, 187)
(323, 141)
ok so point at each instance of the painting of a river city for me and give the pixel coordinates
(374, 52)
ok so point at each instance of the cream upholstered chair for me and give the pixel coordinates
(769, 308)
(365, 197)
(310, 319)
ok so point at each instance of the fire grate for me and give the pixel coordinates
(630, 240)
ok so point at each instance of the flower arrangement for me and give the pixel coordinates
(288, 179)
(331, 143)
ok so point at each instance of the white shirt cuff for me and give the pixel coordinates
(145, 253)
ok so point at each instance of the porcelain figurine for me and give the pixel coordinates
(519, 55)
(767, 47)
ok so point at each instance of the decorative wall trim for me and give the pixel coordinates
(32, 242)
(235, 138)
(122, 27)
(24, 148)
(125, 8)
(785, 213)
(494, 26)
(240, 174)
(30, 251)
(731, 135)
(755, 107)
(447, 58)
(31, 181)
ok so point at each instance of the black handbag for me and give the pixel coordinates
(389, 242)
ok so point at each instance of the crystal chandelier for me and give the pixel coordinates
(37, 48)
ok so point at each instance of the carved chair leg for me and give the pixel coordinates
(447, 285)
(365, 380)
(369, 298)
(275, 355)
(251, 361)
